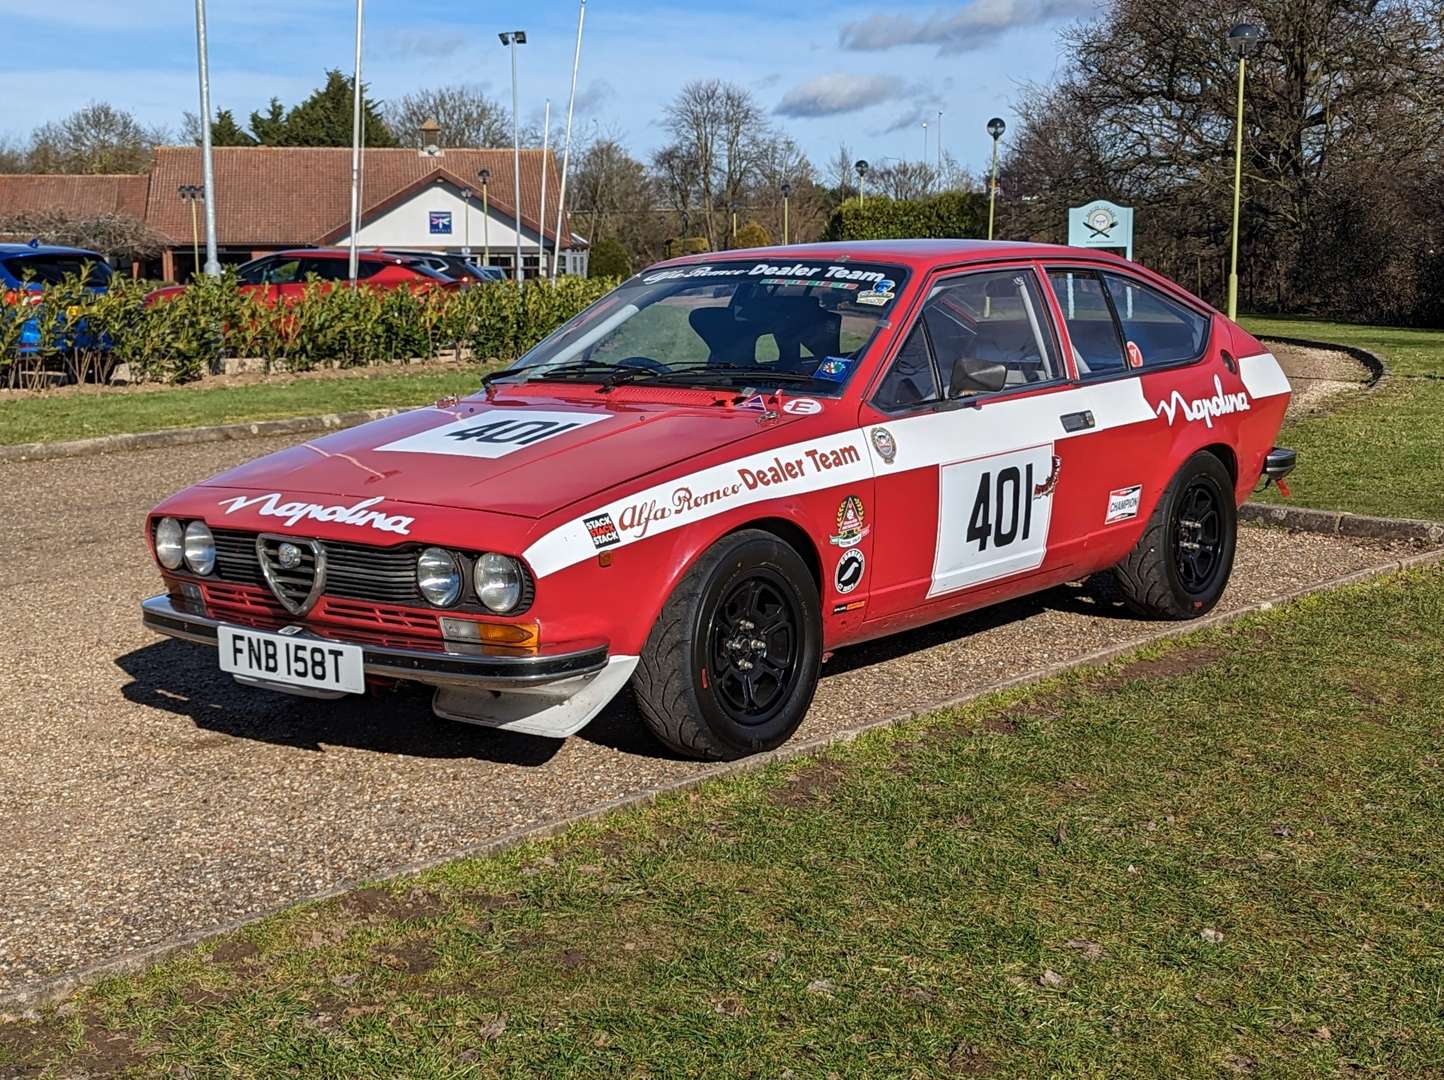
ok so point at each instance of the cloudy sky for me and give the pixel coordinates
(830, 73)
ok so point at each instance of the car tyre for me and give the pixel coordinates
(732, 662)
(1182, 562)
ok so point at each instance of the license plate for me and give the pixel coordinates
(296, 661)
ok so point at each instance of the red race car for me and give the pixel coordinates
(728, 468)
(283, 277)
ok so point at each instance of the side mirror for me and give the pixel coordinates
(972, 376)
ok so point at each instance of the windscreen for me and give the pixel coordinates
(53, 269)
(751, 322)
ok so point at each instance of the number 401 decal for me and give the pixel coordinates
(993, 516)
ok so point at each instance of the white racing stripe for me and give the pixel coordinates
(814, 464)
(1262, 376)
(921, 442)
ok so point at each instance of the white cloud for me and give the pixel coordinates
(592, 97)
(828, 95)
(976, 25)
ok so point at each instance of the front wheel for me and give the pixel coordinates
(1182, 563)
(731, 665)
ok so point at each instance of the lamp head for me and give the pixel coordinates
(786, 189)
(861, 167)
(484, 175)
(996, 127)
(1244, 39)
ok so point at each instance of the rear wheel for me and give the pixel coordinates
(731, 665)
(1182, 563)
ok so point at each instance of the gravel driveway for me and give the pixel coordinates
(147, 796)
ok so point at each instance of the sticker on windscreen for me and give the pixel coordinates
(880, 294)
(833, 369)
(493, 434)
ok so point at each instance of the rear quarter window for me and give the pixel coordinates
(1165, 331)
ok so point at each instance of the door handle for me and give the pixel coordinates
(1078, 421)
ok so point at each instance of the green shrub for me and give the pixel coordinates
(181, 339)
(751, 235)
(609, 258)
(951, 214)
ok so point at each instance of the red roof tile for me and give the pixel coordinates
(271, 195)
(76, 196)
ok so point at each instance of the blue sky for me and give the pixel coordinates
(861, 74)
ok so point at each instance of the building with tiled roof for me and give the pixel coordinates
(268, 198)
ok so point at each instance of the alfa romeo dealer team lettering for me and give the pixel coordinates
(730, 467)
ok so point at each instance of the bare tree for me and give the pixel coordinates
(466, 115)
(96, 139)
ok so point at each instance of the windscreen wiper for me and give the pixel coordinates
(585, 370)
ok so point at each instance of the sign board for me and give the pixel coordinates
(1101, 224)
(440, 221)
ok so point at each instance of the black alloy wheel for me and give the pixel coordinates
(752, 648)
(1198, 536)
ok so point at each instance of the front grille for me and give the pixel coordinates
(353, 571)
(349, 620)
(292, 585)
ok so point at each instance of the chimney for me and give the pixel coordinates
(430, 132)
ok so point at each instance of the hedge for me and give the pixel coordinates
(952, 214)
(182, 339)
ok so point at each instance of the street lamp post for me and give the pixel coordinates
(1243, 42)
(940, 148)
(466, 228)
(996, 127)
(860, 167)
(541, 221)
(786, 197)
(732, 206)
(513, 38)
(484, 175)
(193, 193)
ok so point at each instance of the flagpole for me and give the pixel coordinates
(355, 150)
(541, 231)
(567, 152)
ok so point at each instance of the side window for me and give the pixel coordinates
(283, 272)
(1164, 331)
(911, 380)
(978, 334)
(1096, 345)
(995, 318)
(327, 269)
(254, 273)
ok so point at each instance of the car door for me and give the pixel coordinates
(1124, 337)
(969, 431)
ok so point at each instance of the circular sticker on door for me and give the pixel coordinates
(848, 575)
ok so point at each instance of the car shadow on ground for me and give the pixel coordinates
(183, 679)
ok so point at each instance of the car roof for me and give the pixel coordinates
(341, 253)
(47, 249)
(916, 254)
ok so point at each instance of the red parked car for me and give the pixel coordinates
(283, 276)
(728, 468)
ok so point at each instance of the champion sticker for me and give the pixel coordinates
(848, 575)
(851, 526)
(802, 406)
(1123, 504)
(494, 433)
(603, 531)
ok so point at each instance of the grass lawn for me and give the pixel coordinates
(1222, 857)
(47, 418)
(1382, 454)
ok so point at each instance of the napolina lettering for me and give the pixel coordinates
(1205, 409)
(358, 514)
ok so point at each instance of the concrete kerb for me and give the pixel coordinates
(23, 1002)
(1377, 368)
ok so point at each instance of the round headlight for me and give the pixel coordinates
(200, 548)
(169, 543)
(499, 582)
(439, 577)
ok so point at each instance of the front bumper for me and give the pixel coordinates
(461, 666)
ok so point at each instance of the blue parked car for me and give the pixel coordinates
(26, 268)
